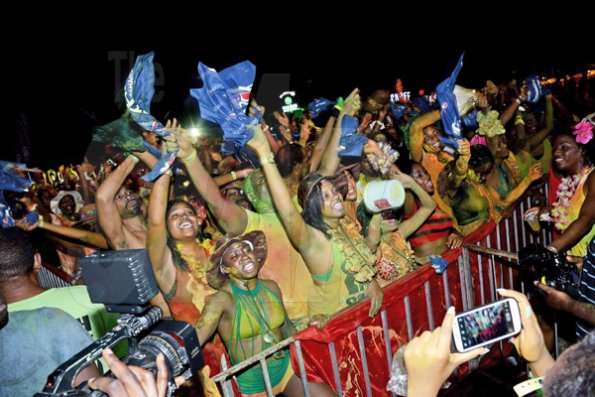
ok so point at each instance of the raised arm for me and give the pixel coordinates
(535, 140)
(330, 158)
(322, 143)
(416, 134)
(309, 241)
(107, 212)
(585, 221)
(232, 218)
(157, 233)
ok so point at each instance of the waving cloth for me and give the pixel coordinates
(351, 143)
(223, 99)
(318, 106)
(448, 103)
(124, 132)
(10, 181)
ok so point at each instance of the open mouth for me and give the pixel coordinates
(185, 225)
(249, 267)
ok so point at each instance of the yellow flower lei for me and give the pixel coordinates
(358, 258)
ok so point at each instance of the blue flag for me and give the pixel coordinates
(448, 103)
(139, 91)
(318, 106)
(351, 143)
(10, 181)
(223, 99)
(6, 219)
(533, 88)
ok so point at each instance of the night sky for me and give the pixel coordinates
(63, 88)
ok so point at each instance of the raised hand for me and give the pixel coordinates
(352, 103)
(259, 142)
(535, 172)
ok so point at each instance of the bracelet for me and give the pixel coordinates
(268, 159)
(134, 158)
(233, 175)
(190, 157)
(40, 222)
(551, 249)
(517, 100)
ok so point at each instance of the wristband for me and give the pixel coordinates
(40, 222)
(268, 159)
(190, 157)
(233, 175)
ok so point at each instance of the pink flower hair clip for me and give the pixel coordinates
(584, 130)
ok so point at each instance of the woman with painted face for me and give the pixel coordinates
(473, 202)
(249, 315)
(573, 212)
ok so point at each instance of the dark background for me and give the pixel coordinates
(60, 87)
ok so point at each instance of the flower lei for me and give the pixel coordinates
(382, 162)
(490, 124)
(358, 258)
(566, 189)
(196, 268)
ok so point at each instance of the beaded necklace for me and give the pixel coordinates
(566, 189)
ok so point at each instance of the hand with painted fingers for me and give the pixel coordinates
(454, 240)
(132, 381)
(429, 361)
(529, 343)
(375, 293)
(259, 142)
(535, 172)
(319, 320)
(352, 103)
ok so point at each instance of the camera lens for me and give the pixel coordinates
(150, 347)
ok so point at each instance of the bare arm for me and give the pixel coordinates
(211, 315)
(507, 114)
(322, 144)
(222, 180)
(95, 239)
(583, 224)
(406, 228)
(309, 241)
(535, 173)
(330, 158)
(536, 139)
(107, 212)
(147, 158)
(416, 134)
(157, 233)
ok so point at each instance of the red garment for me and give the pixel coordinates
(552, 194)
(436, 227)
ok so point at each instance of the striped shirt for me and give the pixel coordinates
(587, 289)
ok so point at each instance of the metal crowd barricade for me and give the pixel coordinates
(360, 350)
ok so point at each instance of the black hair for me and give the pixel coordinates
(573, 372)
(287, 157)
(310, 198)
(17, 253)
(480, 155)
(177, 258)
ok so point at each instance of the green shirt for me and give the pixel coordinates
(74, 301)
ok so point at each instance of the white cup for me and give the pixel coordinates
(384, 195)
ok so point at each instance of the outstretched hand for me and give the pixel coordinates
(179, 139)
(429, 361)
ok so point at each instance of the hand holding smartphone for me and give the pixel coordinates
(486, 324)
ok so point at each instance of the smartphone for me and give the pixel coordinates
(486, 324)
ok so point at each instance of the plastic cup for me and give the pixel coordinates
(384, 195)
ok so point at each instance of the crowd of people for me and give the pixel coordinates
(251, 246)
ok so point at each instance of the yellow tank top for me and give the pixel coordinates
(252, 317)
(575, 202)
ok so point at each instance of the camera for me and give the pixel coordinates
(124, 282)
(552, 269)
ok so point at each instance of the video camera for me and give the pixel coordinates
(538, 263)
(124, 282)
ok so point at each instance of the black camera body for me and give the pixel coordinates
(552, 269)
(124, 282)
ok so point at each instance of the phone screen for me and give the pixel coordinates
(485, 324)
